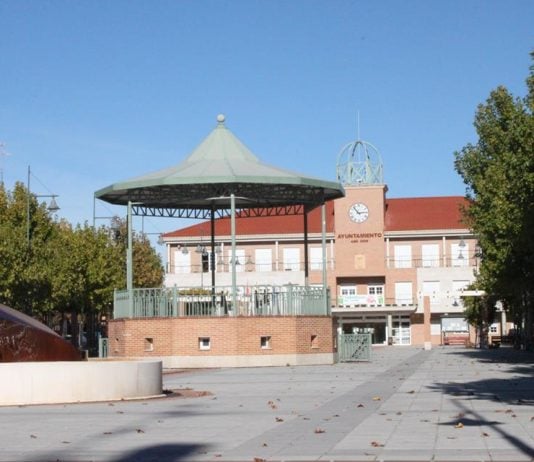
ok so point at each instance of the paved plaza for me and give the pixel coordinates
(407, 404)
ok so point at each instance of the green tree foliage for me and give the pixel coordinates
(49, 266)
(499, 173)
(147, 265)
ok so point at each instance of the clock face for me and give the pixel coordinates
(358, 213)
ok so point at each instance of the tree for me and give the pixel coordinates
(26, 241)
(51, 269)
(499, 173)
(148, 269)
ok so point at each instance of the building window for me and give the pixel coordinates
(430, 253)
(292, 259)
(149, 344)
(264, 260)
(347, 295)
(375, 295)
(493, 329)
(265, 342)
(182, 261)
(204, 343)
(316, 258)
(314, 341)
(403, 256)
(431, 289)
(403, 293)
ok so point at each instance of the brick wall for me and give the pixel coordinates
(227, 336)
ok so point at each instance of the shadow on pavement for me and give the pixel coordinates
(513, 382)
(513, 385)
(160, 453)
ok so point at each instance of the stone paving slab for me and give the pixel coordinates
(447, 404)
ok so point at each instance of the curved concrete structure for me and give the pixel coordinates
(73, 382)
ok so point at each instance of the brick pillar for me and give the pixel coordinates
(426, 323)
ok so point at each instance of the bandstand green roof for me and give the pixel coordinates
(221, 165)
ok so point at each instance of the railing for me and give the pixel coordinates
(372, 301)
(287, 300)
(247, 265)
(436, 262)
(390, 263)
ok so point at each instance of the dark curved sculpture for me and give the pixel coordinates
(22, 338)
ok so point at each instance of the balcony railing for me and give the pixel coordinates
(247, 266)
(373, 301)
(390, 263)
(437, 262)
(287, 300)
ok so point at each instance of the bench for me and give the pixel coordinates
(455, 340)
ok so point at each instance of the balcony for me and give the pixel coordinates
(472, 260)
(366, 303)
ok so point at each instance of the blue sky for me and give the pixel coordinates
(94, 92)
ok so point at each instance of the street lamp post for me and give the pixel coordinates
(52, 207)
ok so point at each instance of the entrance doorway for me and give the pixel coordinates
(376, 329)
(401, 331)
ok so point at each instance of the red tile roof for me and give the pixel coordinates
(402, 214)
(424, 213)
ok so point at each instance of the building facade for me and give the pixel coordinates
(382, 257)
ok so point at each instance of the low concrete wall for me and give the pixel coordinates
(194, 362)
(78, 381)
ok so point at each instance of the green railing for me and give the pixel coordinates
(287, 300)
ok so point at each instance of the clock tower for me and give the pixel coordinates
(359, 216)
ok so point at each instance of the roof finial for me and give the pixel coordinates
(220, 119)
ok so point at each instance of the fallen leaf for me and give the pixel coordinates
(376, 398)
(120, 412)
(33, 436)
(66, 442)
(399, 413)
(264, 445)
(376, 444)
(108, 433)
(485, 434)
(459, 425)
(411, 392)
(257, 459)
(279, 419)
(319, 430)
(272, 405)
(360, 405)
(138, 430)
